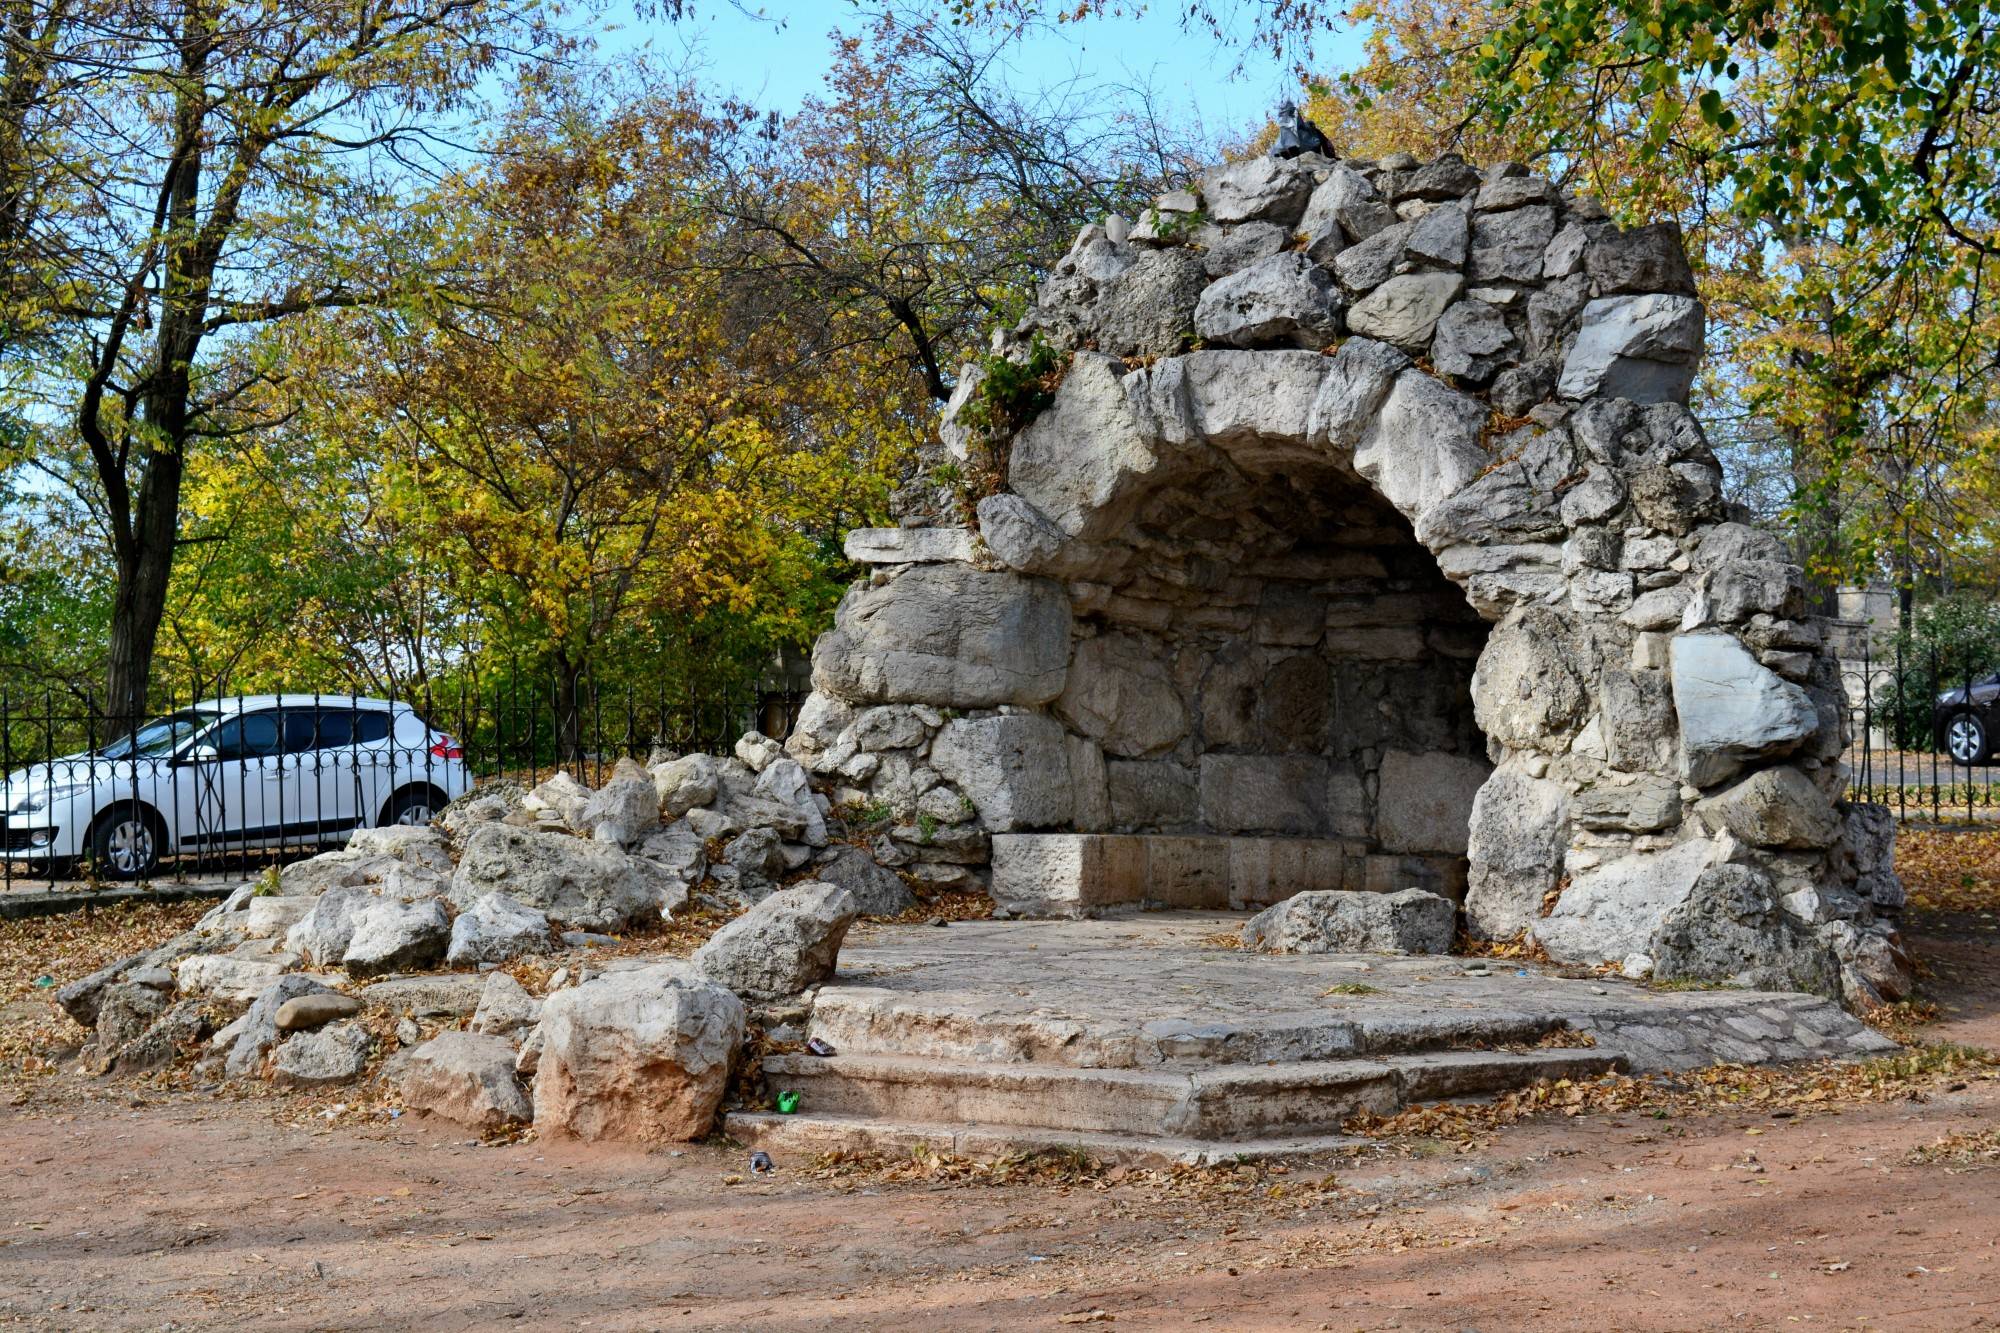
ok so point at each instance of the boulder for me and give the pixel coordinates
(1448, 176)
(496, 928)
(302, 1013)
(1518, 835)
(785, 944)
(1730, 928)
(784, 782)
(272, 916)
(446, 996)
(1641, 348)
(1343, 210)
(1530, 689)
(258, 1030)
(467, 1078)
(124, 1012)
(1228, 250)
(1014, 768)
(179, 1027)
(326, 1057)
(1510, 246)
(1283, 300)
(1733, 710)
(322, 934)
(1869, 833)
(1411, 921)
(641, 1055)
(950, 636)
(415, 845)
(504, 1007)
(624, 810)
(392, 936)
(560, 796)
(758, 750)
(876, 889)
(591, 885)
(1258, 189)
(687, 782)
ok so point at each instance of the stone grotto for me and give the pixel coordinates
(1342, 525)
(1330, 555)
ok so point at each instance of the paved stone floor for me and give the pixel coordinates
(1164, 988)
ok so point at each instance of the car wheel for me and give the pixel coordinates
(125, 843)
(1965, 739)
(415, 806)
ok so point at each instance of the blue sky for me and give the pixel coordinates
(778, 61)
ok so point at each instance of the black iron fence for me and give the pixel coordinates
(222, 785)
(1922, 734)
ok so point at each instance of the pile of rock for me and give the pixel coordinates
(302, 979)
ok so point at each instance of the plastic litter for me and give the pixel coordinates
(760, 1164)
(819, 1046)
(44, 982)
(788, 1102)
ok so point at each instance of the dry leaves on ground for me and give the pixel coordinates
(1949, 870)
(1790, 1089)
(1978, 1149)
(42, 953)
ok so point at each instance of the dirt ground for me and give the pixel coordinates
(126, 1207)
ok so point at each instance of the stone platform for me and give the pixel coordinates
(1147, 1039)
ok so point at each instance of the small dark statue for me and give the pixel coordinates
(1297, 135)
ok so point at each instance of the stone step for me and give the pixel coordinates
(859, 1020)
(791, 1139)
(1226, 1103)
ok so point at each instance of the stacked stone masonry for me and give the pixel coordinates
(1366, 543)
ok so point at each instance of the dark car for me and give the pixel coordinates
(1965, 728)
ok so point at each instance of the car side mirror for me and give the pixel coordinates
(200, 754)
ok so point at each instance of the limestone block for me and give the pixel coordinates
(1404, 310)
(786, 943)
(641, 1055)
(1152, 794)
(1247, 793)
(581, 884)
(1254, 405)
(1645, 806)
(494, 929)
(1472, 342)
(1529, 691)
(908, 546)
(1638, 720)
(1090, 787)
(1227, 250)
(1367, 265)
(1645, 259)
(467, 1078)
(1616, 909)
(1447, 176)
(1509, 246)
(1732, 709)
(1409, 922)
(392, 936)
(1344, 210)
(1730, 929)
(1424, 801)
(1641, 348)
(1285, 299)
(950, 636)
(1357, 380)
(1518, 834)
(1084, 462)
(1439, 238)
(1260, 189)
(1014, 769)
(1118, 694)
(1774, 807)
(1423, 445)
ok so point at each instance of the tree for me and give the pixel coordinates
(179, 173)
(916, 205)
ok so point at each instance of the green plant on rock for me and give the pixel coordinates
(1010, 394)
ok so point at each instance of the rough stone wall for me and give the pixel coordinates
(1328, 433)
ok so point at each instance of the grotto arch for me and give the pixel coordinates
(1366, 541)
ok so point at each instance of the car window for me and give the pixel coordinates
(300, 729)
(251, 736)
(336, 728)
(370, 725)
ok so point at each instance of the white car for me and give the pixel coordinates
(274, 770)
